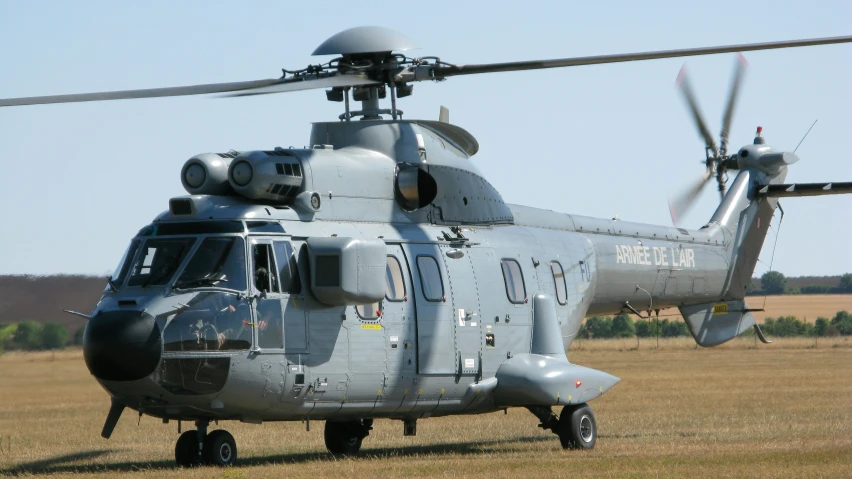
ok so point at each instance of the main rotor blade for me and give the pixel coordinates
(254, 87)
(308, 82)
(146, 93)
(679, 205)
(452, 70)
(736, 81)
(686, 88)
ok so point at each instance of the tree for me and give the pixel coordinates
(622, 326)
(786, 326)
(598, 327)
(644, 328)
(53, 336)
(843, 322)
(846, 282)
(78, 336)
(820, 325)
(673, 329)
(773, 282)
(28, 335)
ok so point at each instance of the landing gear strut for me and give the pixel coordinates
(346, 437)
(196, 447)
(576, 426)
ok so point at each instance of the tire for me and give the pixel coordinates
(186, 449)
(220, 449)
(344, 437)
(577, 427)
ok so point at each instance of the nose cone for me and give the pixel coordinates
(122, 345)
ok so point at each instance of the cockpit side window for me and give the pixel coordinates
(287, 267)
(265, 273)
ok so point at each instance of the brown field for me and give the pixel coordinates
(780, 410)
(803, 306)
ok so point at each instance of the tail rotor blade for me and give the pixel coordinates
(679, 205)
(686, 89)
(736, 82)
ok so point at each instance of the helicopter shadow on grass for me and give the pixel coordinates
(69, 463)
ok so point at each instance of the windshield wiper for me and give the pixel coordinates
(111, 284)
(208, 280)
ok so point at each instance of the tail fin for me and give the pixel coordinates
(746, 214)
(743, 216)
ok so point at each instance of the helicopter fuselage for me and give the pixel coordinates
(380, 275)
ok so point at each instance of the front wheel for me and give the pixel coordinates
(577, 427)
(186, 449)
(346, 437)
(220, 449)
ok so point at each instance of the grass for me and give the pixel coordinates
(779, 410)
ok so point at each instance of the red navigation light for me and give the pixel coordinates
(578, 383)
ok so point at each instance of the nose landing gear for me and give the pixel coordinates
(196, 447)
(576, 426)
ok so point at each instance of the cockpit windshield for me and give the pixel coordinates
(219, 262)
(123, 267)
(158, 260)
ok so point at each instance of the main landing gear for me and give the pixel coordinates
(576, 426)
(196, 447)
(346, 437)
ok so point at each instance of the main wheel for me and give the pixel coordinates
(220, 449)
(345, 437)
(186, 449)
(577, 427)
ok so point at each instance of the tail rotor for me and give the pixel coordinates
(717, 160)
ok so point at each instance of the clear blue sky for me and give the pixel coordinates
(79, 180)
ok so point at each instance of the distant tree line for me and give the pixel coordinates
(623, 326)
(33, 336)
(774, 282)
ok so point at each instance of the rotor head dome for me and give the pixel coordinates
(365, 40)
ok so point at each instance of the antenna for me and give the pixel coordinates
(806, 135)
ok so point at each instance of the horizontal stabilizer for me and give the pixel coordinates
(805, 189)
(714, 323)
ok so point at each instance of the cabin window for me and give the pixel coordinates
(369, 311)
(265, 273)
(158, 261)
(219, 262)
(287, 268)
(559, 280)
(430, 278)
(394, 284)
(514, 279)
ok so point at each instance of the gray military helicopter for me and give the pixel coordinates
(378, 274)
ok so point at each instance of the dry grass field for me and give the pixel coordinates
(780, 410)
